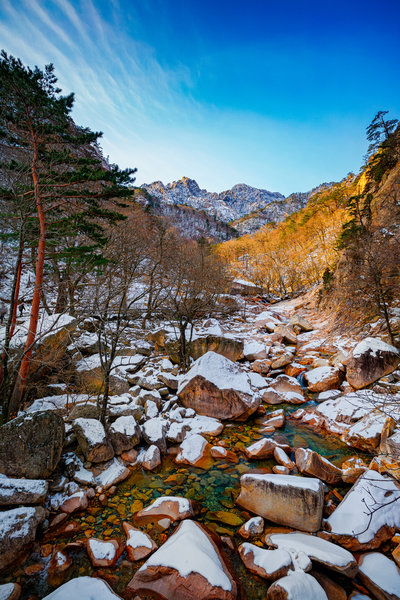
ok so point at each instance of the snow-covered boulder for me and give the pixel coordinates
(296, 586)
(217, 387)
(22, 491)
(284, 499)
(366, 433)
(92, 440)
(286, 333)
(370, 360)
(219, 452)
(317, 549)
(268, 564)
(84, 588)
(352, 468)
(17, 530)
(300, 322)
(252, 528)
(188, 565)
(313, 464)
(323, 378)
(103, 553)
(254, 350)
(285, 383)
(151, 458)
(113, 472)
(194, 450)
(175, 508)
(154, 432)
(380, 575)
(264, 448)
(31, 445)
(10, 591)
(368, 515)
(124, 434)
(272, 396)
(139, 545)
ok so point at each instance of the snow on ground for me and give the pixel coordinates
(122, 364)
(189, 550)
(374, 501)
(47, 325)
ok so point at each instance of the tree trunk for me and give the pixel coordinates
(37, 293)
(106, 393)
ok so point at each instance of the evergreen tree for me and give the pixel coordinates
(65, 184)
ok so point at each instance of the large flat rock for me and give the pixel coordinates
(17, 530)
(284, 499)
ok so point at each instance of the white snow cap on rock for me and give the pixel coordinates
(84, 588)
(222, 372)
(189, 550)
(374, 346)
(383, 572)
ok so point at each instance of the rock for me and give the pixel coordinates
(175, 508)
(287, 334)
(187, 566)
(275, 419)
(268, 564)
(218, 387)
(264, 448)
(75, 503)
(84, 588)
(296, 586)
(301, 322)
(323, 378)
(177, 432)
(59, 563)
(92, 440)
(17, 530)
(317, 549)
(282, 361)
(88, 410)
(333, 590)
(152, 458)
(294, 369)
(262, 366)
(282, 458)
(254, 350)
(112, 473)
(370, 360)
(280, 470)
(380, 575)
(352, 468)
(195, 451)
(103, 553)
(313, 464)
(366, 433)
(124, 434)
(171, 381)
(10, 591)
(154, 431)
(31, 445)
(130, 457)
(272, 396)
(284, 383)
(368, 514)
(22, 491)
(157, 337)
(284, 499)
(223, 454)
(227, 347)
(252, 528)
(139, 545)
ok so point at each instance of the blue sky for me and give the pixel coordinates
(273, 93)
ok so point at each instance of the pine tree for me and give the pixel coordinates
(65, 185)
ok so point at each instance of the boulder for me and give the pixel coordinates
(296, 586)
(313, 464)
(271, 396)
(228, 347)
(252, 528)
(103, 553)
(187, 566)
(287, 334)
(17, 530)
(370, 360)
(89, 410)
(84, 588)
(368, 515)
(333, 590)
(268, 564)
(92, 440)
(31, 445)
(366, 433)
(284, 383)
(352, 468)
(282, 458)
(282, 361)
(75, 503)
(139, 545)
(175, 508)
(195, 451)
(124, 434)
(10, 591)
(217, 387)
(254, 350)
(223, 454)
(264, 448)
(323, 378)
(380, 575)
(112, 473)
(321, 551)
(262, 366)
(154, 433)
(284, 499)
(301, 322)
(22, 491)
(152, 458)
